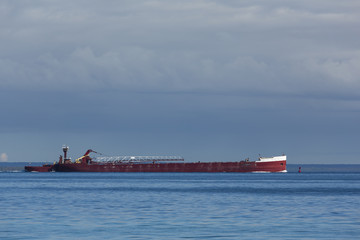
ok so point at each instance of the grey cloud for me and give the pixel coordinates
(172, 46)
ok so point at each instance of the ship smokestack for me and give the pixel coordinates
(65, 149)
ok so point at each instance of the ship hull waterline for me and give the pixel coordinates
(257, 166)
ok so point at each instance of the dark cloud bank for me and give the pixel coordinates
(204, 79)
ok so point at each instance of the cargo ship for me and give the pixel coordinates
(157, 164)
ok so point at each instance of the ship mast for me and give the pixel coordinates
(65, 149)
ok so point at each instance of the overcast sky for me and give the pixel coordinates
(207, 80)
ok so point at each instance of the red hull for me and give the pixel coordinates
(44, 168)
(243, 166)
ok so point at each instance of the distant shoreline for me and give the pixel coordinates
(305, 168)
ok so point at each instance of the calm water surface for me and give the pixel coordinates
(179, 206)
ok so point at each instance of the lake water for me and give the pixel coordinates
(179, 206)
